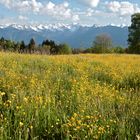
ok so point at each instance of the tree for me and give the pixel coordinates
(119, 49)
(102, 44)
(64, 49)
(53, 47)
(134, 34)
(78, 50)
(22, 47)
(31, 45)
(2, 43)
(88, 50)
(10, 45)
(17, 46)
(45, 49)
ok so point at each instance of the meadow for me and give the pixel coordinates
(69, 97)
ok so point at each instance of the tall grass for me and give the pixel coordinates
(69, 97)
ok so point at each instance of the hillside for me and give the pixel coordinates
(74, 35)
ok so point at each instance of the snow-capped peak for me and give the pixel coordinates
(52, 27)
(41, 27)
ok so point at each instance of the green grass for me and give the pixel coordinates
(69, 97)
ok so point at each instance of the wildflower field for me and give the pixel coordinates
(71, 97)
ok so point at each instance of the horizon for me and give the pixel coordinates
(81, 12)
(59, 25)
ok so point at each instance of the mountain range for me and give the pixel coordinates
(75, 35)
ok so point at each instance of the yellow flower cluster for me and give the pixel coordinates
(84, 96)
(90, 126)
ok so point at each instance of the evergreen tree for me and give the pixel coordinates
(10, 45)
(31, 46)
(2, 43)
(17, 46)
(22, 47)
(53, 47)
(134, 34)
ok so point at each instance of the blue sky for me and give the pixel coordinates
(85, 12)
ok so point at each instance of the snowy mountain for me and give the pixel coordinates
(74, 34)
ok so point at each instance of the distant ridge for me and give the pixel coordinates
(75, 35)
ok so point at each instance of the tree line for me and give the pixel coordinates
(47, 47)
(101, 44)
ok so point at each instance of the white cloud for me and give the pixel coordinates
(20, 17)
(113, 11)
(91, 3)
(50, 6)
(123, 8)
(27, 5)
(114, 6)
(66, 4)
(59, 11)
(14, 20)
(6, 2)
(75, 18)
(89, 12)
(22, 5)
(35, 6)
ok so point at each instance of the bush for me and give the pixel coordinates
(64, 49)
(118, 49)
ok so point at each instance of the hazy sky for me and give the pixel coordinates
(86, 12)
